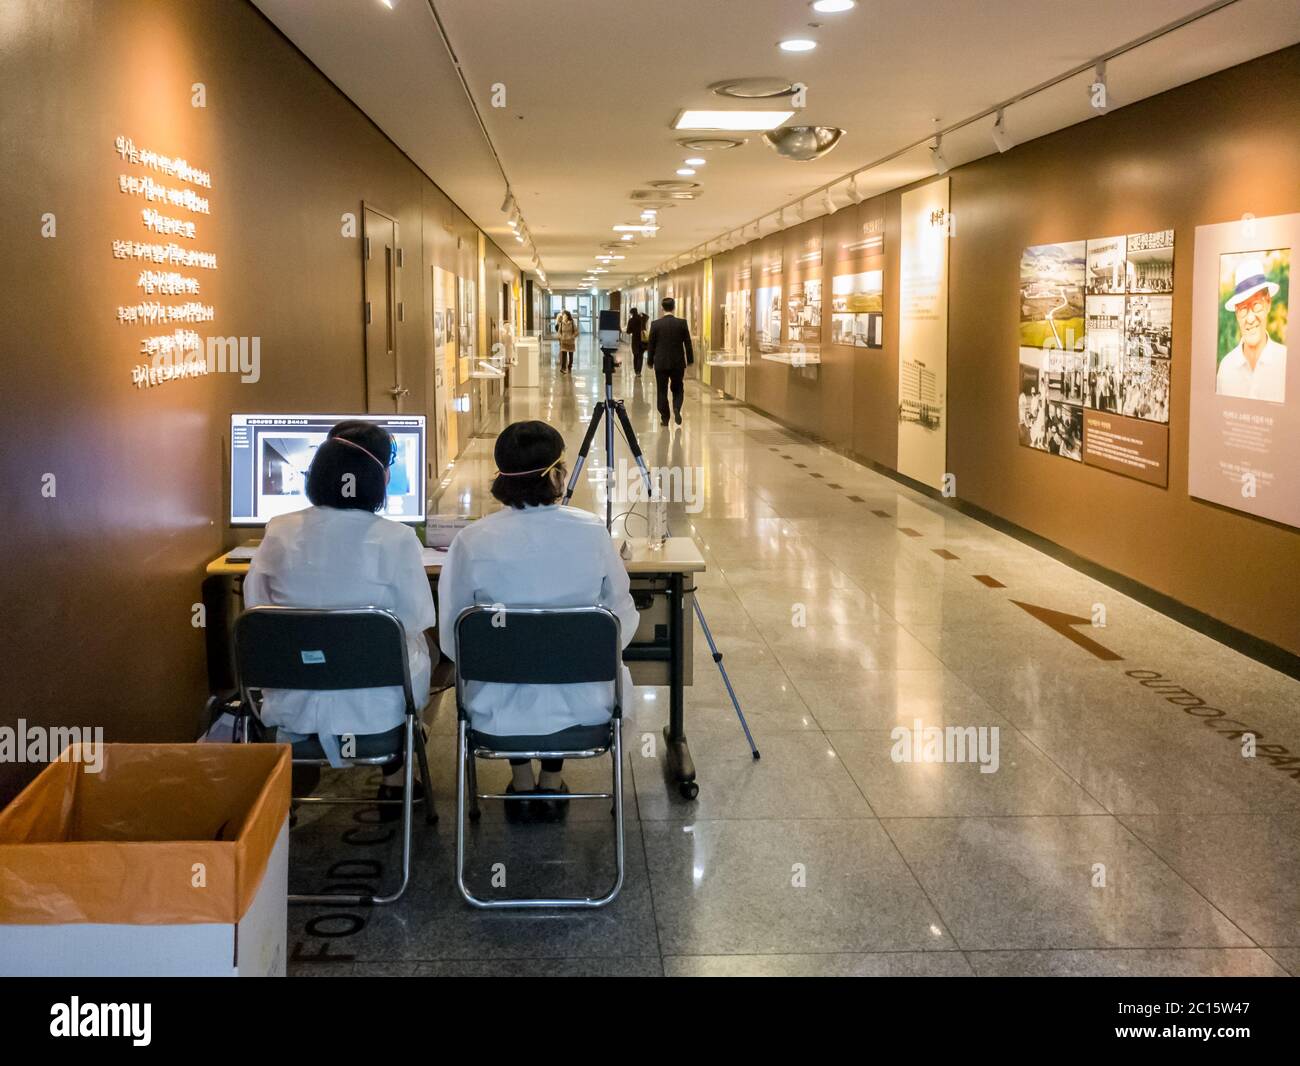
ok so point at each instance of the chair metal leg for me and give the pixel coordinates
(462, 752)
(471, 770)
(430, 815)
(466, 760)
(408, 795)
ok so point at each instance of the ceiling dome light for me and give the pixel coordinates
(675, 186)
(803, 143)
(797, 44)
(833, 7)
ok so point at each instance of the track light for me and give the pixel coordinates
(1097, 90)
(854, 195)
(937, 157)
(508, 202)
(1001, 139)
(830, 203)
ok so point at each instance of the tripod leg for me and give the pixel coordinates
(717, 658)
(635, 446)
(583, 451)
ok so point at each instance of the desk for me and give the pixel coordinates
(660, 653)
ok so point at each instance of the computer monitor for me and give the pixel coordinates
(270, 455)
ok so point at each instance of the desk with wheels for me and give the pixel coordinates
(660, 654)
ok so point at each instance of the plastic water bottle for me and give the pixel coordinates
(658, 517)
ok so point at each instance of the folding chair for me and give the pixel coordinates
(314, 650)
(538, 646)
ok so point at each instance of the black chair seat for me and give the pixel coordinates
(368, 745)
(575, 738)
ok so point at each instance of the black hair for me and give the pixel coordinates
(352, 475)
(528, 446)
(669, 304)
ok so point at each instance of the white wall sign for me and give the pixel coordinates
(923, 334)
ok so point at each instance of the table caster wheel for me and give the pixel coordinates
(688, 789)
(474, 816)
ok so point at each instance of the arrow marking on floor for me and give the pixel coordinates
(1064, 624)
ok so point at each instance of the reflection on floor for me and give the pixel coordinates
(1122, 831)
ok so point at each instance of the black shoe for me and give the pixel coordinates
(521, 812)
(663, 422)
(678, 415)
(553, 810)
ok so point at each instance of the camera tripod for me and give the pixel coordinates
(607, 410)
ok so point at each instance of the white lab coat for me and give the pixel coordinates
(535, 557)
(330, 557)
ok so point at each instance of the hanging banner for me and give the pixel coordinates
(923, 334)
(1244, 430)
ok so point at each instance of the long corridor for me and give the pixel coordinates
(1104, 820)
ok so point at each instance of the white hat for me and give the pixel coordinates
(1250, 280)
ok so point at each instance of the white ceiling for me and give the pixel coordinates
(593, 85)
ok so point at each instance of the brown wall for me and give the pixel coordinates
(1204, 153)
(101, 579)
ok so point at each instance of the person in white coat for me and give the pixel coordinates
(339, 553)
(534, 553)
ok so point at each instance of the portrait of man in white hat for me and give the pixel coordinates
(1256, 368)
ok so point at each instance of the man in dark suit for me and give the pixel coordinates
(670, 353)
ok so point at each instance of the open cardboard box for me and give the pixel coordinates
(172, 860)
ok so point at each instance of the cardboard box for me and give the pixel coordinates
(172, 860)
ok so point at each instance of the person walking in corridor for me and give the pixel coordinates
(670, 352)
(636, 325)
(568, 341)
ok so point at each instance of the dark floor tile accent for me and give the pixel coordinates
(991, 582)
(832, 485)
(909, 531)
(813, 473)
(857, 499)
(943, 553)
(882, 514)
(802, 466)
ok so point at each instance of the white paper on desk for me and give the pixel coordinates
(441, 530)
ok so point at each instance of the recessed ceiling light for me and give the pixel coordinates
(627, 236)
(797, 44)
(833, 7)
(753, 88)
(755, 121)
(685, 172)
(696, 162)
(709, 144)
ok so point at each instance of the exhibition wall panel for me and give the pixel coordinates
(1214, 151)
(116, 491)
(875, 372)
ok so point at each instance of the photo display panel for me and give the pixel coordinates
(271, 454)
(1244, 429)
(1096, 343)
(858, 288)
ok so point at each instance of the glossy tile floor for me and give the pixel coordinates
(1122, 831)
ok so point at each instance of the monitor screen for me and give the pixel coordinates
(270, 455)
